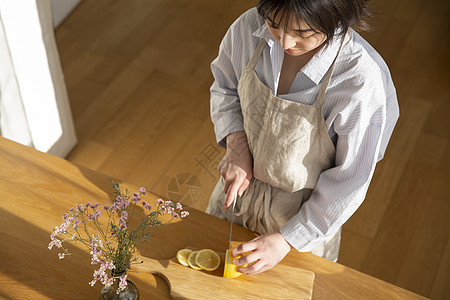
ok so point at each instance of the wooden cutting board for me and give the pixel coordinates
(280, 282)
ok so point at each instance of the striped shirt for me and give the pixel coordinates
(360, 112)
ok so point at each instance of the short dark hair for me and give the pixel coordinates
(325, 16)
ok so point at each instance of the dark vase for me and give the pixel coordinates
(110, 292)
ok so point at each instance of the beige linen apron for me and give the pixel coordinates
(290, 146)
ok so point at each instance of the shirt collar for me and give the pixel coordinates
(318, 65)
(321, 62)
(263, 32)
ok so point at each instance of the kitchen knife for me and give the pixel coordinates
(231, 230)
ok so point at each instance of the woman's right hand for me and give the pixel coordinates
(237, 166)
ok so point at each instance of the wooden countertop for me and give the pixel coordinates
(37, 189)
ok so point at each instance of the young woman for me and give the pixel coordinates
(305, 107)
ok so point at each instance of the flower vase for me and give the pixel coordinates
(110, 292)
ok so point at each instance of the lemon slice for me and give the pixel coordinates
(230, 269)
(191, 261)
(207, 259)
(182, 256)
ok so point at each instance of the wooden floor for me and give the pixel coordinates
(138, 78)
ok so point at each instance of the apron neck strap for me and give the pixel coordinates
(327, 77)
(258, 51)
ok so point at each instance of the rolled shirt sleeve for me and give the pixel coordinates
(225, 105)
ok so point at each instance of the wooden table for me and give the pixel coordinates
(36, 189)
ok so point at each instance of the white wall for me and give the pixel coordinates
(36, 70)
(13, 120)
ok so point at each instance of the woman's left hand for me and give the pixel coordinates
(266, 252)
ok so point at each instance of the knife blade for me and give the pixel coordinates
(231, 231)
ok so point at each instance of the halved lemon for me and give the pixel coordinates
(191, 261)
(207, 259)
(182, 256)
(230, 269)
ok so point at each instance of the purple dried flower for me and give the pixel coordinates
(54, 242)
(101, 275)
(122, 224)
(76, 224)
(109, 282)
(97, 214)
(122, 284)
(95, 259)
(136, 199)
(125, 204)
(94, 216)
(95, 241)
(109, 264)
(80, 214)
(142, 191)
(79, 208)
(121, 203)
(63, 228)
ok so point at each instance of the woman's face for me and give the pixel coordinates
(299, 40)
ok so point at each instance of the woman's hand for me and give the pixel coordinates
(236, 167)
(266, 252)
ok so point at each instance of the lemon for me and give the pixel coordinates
(230, 269)
(182, 256)
(191, 260)
(207, 259)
